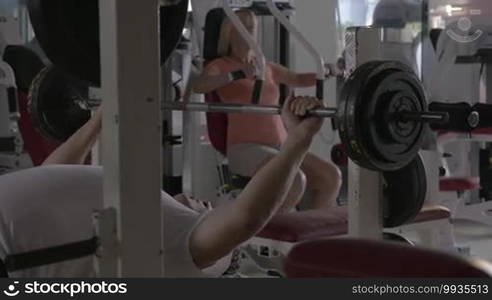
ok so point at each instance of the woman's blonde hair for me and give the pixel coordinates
(224, 45)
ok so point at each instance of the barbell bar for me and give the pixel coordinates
(240, 108)
(230, 108)
(382, 112)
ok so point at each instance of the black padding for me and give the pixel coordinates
(7, 144)
(25, 63)
(261, 8)
(52, 255)
(3, 270)
(213, 25)
(485, 111)
(458, 116)
(12, 99)
(434, 35)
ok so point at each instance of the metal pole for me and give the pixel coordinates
(131, 222)
(405, 116)
(430, 117)
(242, 109)
(320, 62)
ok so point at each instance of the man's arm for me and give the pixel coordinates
(75, 150)
(230, 225)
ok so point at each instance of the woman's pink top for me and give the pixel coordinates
(249, 128)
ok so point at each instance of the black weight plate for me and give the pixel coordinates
(350, 133)
(68, 31)
(404, 193)
(362, 97)
(25, 63)
(375, 120)
(52, 106)
(393, 237)
(397, 130)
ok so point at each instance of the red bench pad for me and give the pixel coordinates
(459, 184)
(344, 257)
(315, 224)
(305, 225)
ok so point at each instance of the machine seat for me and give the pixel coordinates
(305, 225)
(348, 257)
(432, 213)
(453, 184)
(483, 131)
(479, 131)
(315, 224)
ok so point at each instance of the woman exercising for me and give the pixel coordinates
(52, 205)
(254, 139)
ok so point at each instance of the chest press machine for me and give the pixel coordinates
(470, 195)
(122, 249)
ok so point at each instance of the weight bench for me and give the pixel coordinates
(478, 212)
(459, 184)
(481, 212)
(345, 257)
(478, 135)
(272, 245)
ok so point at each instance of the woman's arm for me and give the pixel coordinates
(282, 75)
(75, 150)
(209, 83)
(230, 225)
(212, 78)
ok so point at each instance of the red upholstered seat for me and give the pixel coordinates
(459, 184)
(484, 131)
(344, 257)
(38, 147)
(315, 224)
(217, 125)
(432, 213)
(306, 225)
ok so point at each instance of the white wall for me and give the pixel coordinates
(316, 19)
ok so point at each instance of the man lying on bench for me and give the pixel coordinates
(52, 205)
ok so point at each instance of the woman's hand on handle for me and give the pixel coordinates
(332, 70)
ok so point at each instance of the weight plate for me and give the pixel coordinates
(339, 155)
(400, 89)
(395, 129)
(404, 193)
(370, 99)
(68, 31)
(53, 105)
(25, 63)
(393, 237)
(348, 130)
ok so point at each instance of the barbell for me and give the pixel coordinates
(382, 112)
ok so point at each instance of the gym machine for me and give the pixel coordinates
(477, 206)
(12, 155)
(383, 116)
